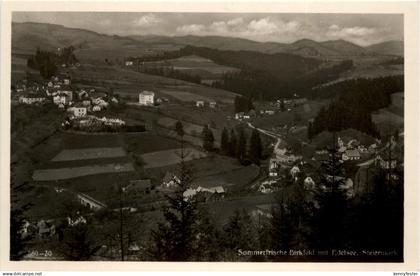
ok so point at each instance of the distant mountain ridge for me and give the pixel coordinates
(29, 35)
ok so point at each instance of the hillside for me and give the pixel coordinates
(91, 45)
(394, 47)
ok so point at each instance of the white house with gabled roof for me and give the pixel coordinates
(147, 98)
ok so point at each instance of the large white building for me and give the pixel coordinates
(147, 98)
(78, 111)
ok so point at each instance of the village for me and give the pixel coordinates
(124, 147)
(81, 106)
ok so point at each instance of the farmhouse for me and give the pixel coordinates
(96, 108)
(147, 98)
(129, 63)
(309, 183)
(239, 115)
(273, 167)
(101, 102)
(170, 180)
(82, 94)
(45, 229)
(214, 193)
(387, 161)
(137, 186)
(66, 81)
(212, 104)
(90, 202)
(67, 93)
(199, 103)
(351, 154)
(86, 103)
(77, 111)
(31, 99)
(294, 171)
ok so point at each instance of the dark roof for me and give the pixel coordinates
(139, 184)
(168, 176)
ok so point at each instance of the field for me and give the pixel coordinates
(169, 157)
(297, 116)
(387, 121)
(185, 96)
(73, 172)
(128, 83)
(81, 154)
(195, 65)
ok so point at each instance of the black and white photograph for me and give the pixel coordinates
(207, 137)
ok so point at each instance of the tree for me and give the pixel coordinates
(329, 224)
(78, 243)
(179, 128)
(282, 107)
(241, 146)
(232, 143)
(255, 149)
(310, 132)
(239, 233)
(18, 242)
(224, 141)
(175, 237)
(208, 138)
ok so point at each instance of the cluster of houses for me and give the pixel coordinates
(171, 181)
(211, 104)
(296, 172)
(289, 104)
(59, 91)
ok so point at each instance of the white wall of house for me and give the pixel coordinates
(146, 98)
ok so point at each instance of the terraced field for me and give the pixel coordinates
(169, 157)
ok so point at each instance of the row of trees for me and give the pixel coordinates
(46, 62)
(236, 145)
(321, 219)
(263, 76)
(243, 104)
(232, 143)
(170, 73)
(354, 106)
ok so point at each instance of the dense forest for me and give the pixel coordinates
(263, 76)
(46, 62)
(325, 218)
(354, 102)
(171, 73)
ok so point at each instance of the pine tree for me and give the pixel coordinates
(255, 149)
(232, 143)
(224, 141)
(175, 237)
(310, 131)
(208, 138)
(239, 233)
(179, 128)
(329, 226)
(18, 243)
(241, 146)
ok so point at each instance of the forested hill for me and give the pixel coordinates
(264, 76)
(283, 66)
(353, 108)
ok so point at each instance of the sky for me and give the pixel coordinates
(361, 29)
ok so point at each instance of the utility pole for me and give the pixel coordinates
(120, 188)
(121, 223)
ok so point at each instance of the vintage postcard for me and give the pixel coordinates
(210, 133)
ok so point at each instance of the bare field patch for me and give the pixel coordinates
(68, 173)
(185, 96)
(169, 157)
(92, 153)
